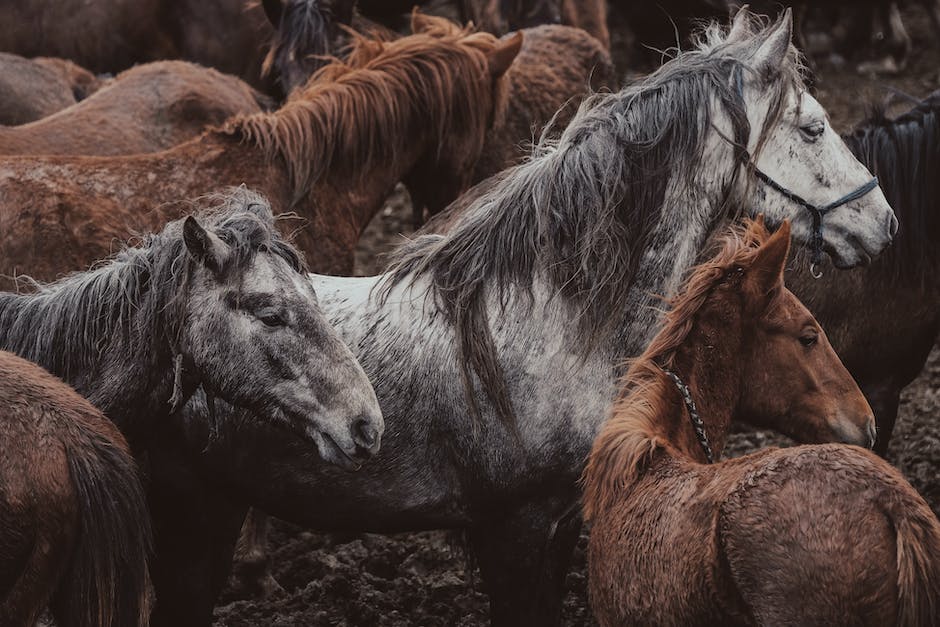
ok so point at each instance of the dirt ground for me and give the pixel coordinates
(424, 578)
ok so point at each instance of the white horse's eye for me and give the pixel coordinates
(813, 130)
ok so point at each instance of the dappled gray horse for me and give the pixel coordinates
(218, 302)
(495, 349)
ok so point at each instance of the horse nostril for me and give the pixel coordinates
(893, 224)
(365, 434)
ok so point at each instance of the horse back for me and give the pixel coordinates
(819, 523)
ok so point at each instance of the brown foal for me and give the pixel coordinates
(827, 534)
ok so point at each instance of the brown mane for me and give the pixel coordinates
(629, 437)
(334, 122)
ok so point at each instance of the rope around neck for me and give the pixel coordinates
(697, 424)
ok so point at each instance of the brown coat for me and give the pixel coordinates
(148, 108)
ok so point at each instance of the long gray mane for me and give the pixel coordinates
(580, 212)
(134, 302)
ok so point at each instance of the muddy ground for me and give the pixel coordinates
(424, 578)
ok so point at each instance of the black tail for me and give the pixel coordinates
(107, 583)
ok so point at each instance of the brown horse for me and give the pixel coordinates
(555, 69)
(826, 534)
(148, 108)
(331, 154)
(74, 526)
(31, 89)
(885, 343)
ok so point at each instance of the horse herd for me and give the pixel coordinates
(513, 371)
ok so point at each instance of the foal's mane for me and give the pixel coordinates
(357, 113)
(904, 152)
(632, 433)
(133, 303)
(580, 211)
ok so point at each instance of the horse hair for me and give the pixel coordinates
(302, 31)
(580, 211)
(333, 123)
(133, 301)
(904, 153)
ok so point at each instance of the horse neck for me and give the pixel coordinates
(131, 387)
(708, 363)
(692, 212)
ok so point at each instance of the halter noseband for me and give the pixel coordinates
(817, 212)
(697, 425)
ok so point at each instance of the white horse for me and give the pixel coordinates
(495, 349)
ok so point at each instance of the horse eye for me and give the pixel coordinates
(809, 339)
(271, 317)
(813, 131)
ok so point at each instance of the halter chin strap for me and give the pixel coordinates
(816, 211)
(697, 425)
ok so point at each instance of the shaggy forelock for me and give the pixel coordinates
(580, 212)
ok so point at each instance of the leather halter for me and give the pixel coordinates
(697, 425)
(816, 211)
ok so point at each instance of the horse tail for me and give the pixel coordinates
(918, 564)
(107, 583)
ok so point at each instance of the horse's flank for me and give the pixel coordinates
(148, 108)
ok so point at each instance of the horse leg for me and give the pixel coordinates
(32, 567)
(251, 569)
(524, 558)
(195, 530)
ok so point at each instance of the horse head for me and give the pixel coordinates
(256, 338)
(806, 172)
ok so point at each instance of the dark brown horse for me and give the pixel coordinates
(826, 534)
(148, 108)
(331, 154)
(74, 526)
(885, 342)
(31, 89)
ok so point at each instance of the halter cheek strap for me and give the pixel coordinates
(697, 424)
(817, 212)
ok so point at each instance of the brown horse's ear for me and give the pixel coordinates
(204, 246)
(274, 9)
(773, 51)
(502, 56)
(422, 23)
(766, 271)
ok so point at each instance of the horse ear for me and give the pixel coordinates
(502, 56)
(204, 246)
(766, 271)
(773, 51)
(740, 25)
(274, 9)
(419, 21)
